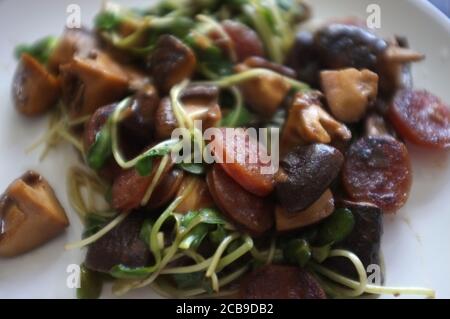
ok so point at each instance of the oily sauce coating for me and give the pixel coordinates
(252, 213)
(281, 282)
(377, 170)
(421, 118)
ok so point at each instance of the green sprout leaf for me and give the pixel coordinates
(107, 21)
(188, 280)
(297, 252)
(193, 168)
(91, 284)
(145, 164)
(124, 272)
(39, 50)
(336, 227)
(101, 149)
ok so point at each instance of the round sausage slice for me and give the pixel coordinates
(378, 170)
(252, 213)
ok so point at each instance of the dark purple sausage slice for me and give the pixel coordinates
(364, 240)
(121, 245)
(377, 170)
(281, 282)
(254, 214)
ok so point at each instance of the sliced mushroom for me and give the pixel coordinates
(199, 102)
(305, 173)
(74, 42)
(89, 83)
(171, 62)
(197, 195)
(308, 122)
(30, 215)
(319, 210)
(34, 89)
(349, 92)
(265, 93)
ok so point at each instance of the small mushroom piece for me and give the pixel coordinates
(245, 42)
(197, 195)
(199, 102)
(30, 215)
(89, 83)
(349, 92)
(265, 93)
(305, 173)
(308, 122)
(171, 62)
(166, 189)
(34, 89)
(319, 210)
(73, 42)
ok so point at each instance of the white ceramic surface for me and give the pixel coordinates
(415, 242)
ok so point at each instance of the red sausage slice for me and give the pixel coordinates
(378, 170)
(421, 118)
(281, 282)
(254, 214)
(241, 158)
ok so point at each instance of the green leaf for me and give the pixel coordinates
(101, 149)
(145, 164)
(91, 284)
(336, 227)
(107, 21)
(93, 223)
(146, 230)
(207, 218)
(297, 252)
(124, 272)
(218, 235)
(193, 168)
(195, 237)
(188, 280)
(40, 50)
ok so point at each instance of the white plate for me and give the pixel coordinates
(415, 241)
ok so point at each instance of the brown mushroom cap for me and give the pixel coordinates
(34, 89)
(30, 215)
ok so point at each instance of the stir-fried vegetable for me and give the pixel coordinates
(231, 216)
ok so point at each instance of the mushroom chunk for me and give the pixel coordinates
(265, 93)
(308, 122)
(166, 189)
(171, 62)
(305, 174)
(34, 89)
(319, 210)
(281, 282)
(89, 83)
(30, 215)
(73, 42)
(349, 92)
(245, 42)
(200, 103)
(364, 240)
(120, 246)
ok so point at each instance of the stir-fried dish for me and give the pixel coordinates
(305, 224)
